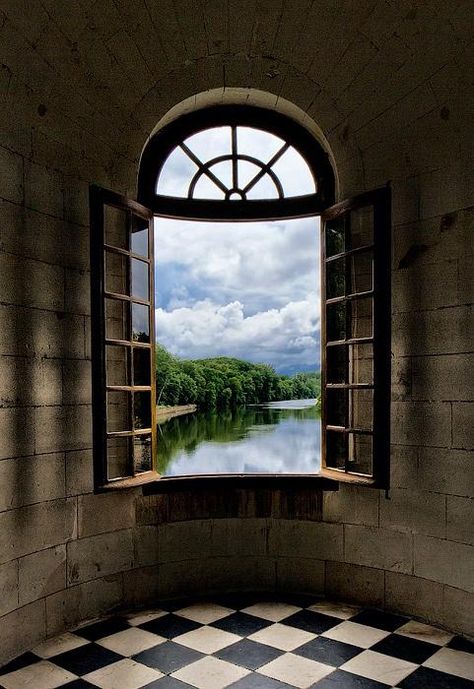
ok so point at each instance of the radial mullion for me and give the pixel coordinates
(235, 167)
(266, 168)
(203, 169)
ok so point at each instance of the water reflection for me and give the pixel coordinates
(281, 437)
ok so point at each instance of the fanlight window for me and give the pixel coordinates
(235, 163)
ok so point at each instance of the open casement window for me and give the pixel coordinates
(355, 339)
(123, 341)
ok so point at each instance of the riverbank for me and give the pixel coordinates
(166, 413)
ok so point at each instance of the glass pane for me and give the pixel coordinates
(207, 189)
(223, 171)
(362, 227)
(118, 457)
(141, 366)
(336, 321)
(360, 454)
(116, 273)
(294, 174)
(264, 189)
(117, 365)
(140, 323)
(335, 278)
(116, 227)
(118, 411)
(336, 364)
(117, 319)
(176, 174)
(257, 143)
(361, 317)
(361, 364)
(142, 457)
(247, 171)
(140, 279)
(335, 236)
(141, 410)
(210, 143)
(336, 408)
(361, 406)
(361, 267)
(336, 450)
(139, 236)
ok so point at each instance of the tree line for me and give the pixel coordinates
(224, 382)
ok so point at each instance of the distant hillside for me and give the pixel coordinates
(224, 381)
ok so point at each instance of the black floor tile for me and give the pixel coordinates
(256, 681)
(86, 659)
(380, 620)
(460, 644)
(177, 604)
(168, 683)
(345, 680)
(309, 621)
(79, 684)
(405, 648)
(426, 678)
(249, 654)
(238, 601)
(99, 630)
(22, 661)
(300, 600)
(241, 623)
(170, 626)
(168, 657)
(328, 651)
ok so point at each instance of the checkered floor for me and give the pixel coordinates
(248, 642)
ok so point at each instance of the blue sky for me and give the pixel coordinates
(249, 290)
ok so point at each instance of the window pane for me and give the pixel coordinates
(116, 273)
(264, 189)
(207, 189)
(140, 279)
(294, 174)
(116, 224)
(336, 444)
(210, 143)
(118, 411)
(258, 143)
(362, 227)
(142, 458)
(361, 405)
(360, 454)
(247, 171)
(117, 365)
(335, 236)
(140, 323)
(361, 267)
(336, 321)
(361, 364)
(139, 236)
(336, 408)
(117, 319)
(141, 410)
(361, 317)
(176, 174)
(118, 457)
(141, 366)
(223, 171)
(336, 364)
(335, 278)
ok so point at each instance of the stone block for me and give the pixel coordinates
(244, 537)
(79, 472)
(99, 556)
(28, 480)
(29, 529)
(463, 427)
(141, 587)
(318, 540)
(22, 629)
(43, 190)
(77, 382)
(413, 596)
(351, 505)
(76, 201)
(465, 281)
(30, 283)
(355, 584)
(8, 587)
(17, 438)
(379, 548)
(77, 291)
(27, 381)
(414, 511)
(441, 378)
(60, 429)
(443, 331)
(106, 512)
(41, 574)
(403, 466)
(186, 541)
(11, 184)
(421, 423)
(146, 546)
(445, 561)
(300, 575)
(460, 519)
(418, 287)
(458, 611)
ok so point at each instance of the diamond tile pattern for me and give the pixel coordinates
(248, 642)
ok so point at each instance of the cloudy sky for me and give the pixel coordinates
(249, 290)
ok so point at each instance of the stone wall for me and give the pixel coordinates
(82, 86)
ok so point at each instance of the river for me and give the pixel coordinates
(276, 438)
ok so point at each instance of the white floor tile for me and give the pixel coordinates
(126, 674)
(207, 639)
(145, 616)
(272, 611)
(131, 641)
(210, 673)
(42, 675)
(379, 667)
(205, 613)
(453, 662)
(60, 644)
(295, 670)
(340, 610)
(282, 636)
(424, 632)
(356, 634)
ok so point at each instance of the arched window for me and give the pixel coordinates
(239, 163)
